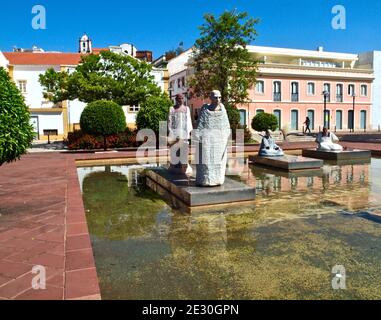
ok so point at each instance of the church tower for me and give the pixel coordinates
(85, 45)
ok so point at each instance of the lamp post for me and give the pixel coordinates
(326, 95)
(353, 112)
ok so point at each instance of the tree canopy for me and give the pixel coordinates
(221, 60)
(105, 76)
(16, 133)
(151, 112)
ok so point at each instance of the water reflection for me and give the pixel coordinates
(283, 247)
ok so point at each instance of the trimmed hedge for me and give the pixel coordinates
(264, 121)
(103, 118)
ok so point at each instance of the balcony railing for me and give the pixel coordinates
(339, 98)
(295, 97)
(277, 96)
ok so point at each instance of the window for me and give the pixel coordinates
(134, 108)
(363, 119)
(294, 91)
(260, 87)
(183, 81)
(277, 89)
(350, 119)
(22, 86)
(294, 120)
(311, 88)
(351, 90)
(178, 83)
(311, 115)
(171, 85)
(242, 115)
(339, 120)
(278, 114)
(260, 111)
(364, 90)
(327, 88)
(339, 93)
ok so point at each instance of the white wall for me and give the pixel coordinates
(158, 75)
(75, 109)
(376, 109)
(3, 61)
(49, 121)
(373, 60)
(30, 74)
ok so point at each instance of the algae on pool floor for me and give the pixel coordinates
(284, 247)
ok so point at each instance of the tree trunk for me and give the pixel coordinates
(104, 143)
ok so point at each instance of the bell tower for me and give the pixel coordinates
(85, 44)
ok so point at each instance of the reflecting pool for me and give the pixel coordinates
(283, 246)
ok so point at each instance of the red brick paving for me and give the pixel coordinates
(43, 222)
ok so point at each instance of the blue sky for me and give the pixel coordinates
(162, 25)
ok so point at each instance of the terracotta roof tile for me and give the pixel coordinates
(51, 59)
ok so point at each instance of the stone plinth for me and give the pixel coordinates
(184, 189)
(288, 162)
(341, 155)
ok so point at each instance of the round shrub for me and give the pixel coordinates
(103, 118)
(152, 111)
(16, 132)
(264, 121)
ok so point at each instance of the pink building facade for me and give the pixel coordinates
(290, 85)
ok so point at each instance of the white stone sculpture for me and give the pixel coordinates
(328, 141)
(212, 137)
(179, 127)
(269, 148)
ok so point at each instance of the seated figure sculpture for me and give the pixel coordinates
(269, 148)
(328, 141)
(212, 135)
(179, 127)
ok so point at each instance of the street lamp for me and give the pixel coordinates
(353, 112)
(326, 95)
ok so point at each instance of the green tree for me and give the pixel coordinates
(16, 133)
(103, 118)
(105, 76)
(221, 59)
(152, 111)
(264, 121)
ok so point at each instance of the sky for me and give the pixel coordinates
(161, 25)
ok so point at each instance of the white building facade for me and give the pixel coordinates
(57, 120)
(372, 60)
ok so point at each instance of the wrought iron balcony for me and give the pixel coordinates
(277, 96)
(295, 97)
(339, 98)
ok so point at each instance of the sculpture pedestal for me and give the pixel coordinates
(341, 155)
(288, 162)
(183, 188)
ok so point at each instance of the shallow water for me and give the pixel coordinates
(282, 247)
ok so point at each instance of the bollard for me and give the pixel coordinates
(335, 129)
